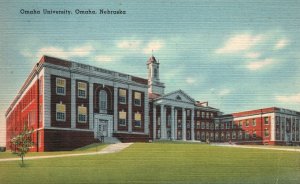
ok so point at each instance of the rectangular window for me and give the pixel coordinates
(266, 132)
(211, 115)
(169, 120)
(247, 123)
(60, 86)
(254, 134)
(246, 135)
(202, 114)
(122, 118)
(240, 124)
(188, 124)
(137, 120)
(207, 125)
(207, 114)
(60, 112)
(227, 125)
(233, 135)
(158, 120)
(202, 125)
(254, 122)
(82, 88)
(137, 98)
(240, 135)
(217, 126)
(158, 133)
(222, 126)
(198, 125)
(122, 96)
(82, 114)
(198, 114)
(179, 123)
(188, 112)
(266, 120)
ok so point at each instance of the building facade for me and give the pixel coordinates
(69, 105)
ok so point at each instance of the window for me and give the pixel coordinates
(212, 136)
(246, 135)
(179, 136)
(178, 97)
(207, 125)
(266, 132)
(247, 123)
(202, 114)
(254, 122)
(202, 136)
(82, 90)
(212, 126)
(158, 120)
(137, 120)
(227, 125)
(240, 135)
(217, 126)
(103, 101)
(198, 114)
(222, 126)
(233, 135)
(227, 135)
(82, 114)
(122, 96)
(188, 112)
(179, 123)
(207, 114)
(240, 124)
(202, 125)
(155, 73)
(188, 124)
(254, 134)
(222, 136)
(266, 120)
(60, 86)
(60, 112)
(216, 136)
(122, 118)
(198, 125)
(198, 135)
(211, 115)
(137, 98)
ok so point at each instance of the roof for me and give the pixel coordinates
(152, 59)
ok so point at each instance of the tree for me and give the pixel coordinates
(23, 142)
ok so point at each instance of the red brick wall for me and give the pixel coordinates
(60, 140)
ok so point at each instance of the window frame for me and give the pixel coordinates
(122, 97)
(64, 113)
(135, 100)
(78, 90)
(56, 86)
(81, 115)
(100, 101)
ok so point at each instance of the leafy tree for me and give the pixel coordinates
(23, 142)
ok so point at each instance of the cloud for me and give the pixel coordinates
(289, 99)
(154, 45)
(129, 44)
(252, 55)
(281, 44)
(240, 42)
(224, 92)
(190, 80)
(81, 51)
(259, 64)
(103, 58)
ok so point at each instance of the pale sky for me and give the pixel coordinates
(238, 55)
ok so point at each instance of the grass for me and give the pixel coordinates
(90, 148)
(162, 163)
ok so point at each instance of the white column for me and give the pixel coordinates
(154, 121)
(183, 124)
(162, 122)
(175, 125)
(172, 123)
(193, 125)
(115, 109)
(146, 113)
(272, 127)
(91, 105)
(47, 98)
(129, 109)
(73, 102)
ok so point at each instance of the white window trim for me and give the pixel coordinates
(123, 97)
(58, 78)
(85, 94)
(82, 114)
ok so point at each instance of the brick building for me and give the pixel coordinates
(69, 105)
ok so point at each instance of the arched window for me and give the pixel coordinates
(103, 101)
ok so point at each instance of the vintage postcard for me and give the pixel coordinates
(150, 91)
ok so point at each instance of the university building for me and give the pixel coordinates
(69, 105)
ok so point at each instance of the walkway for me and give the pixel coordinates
(113, 148)
(258, 147)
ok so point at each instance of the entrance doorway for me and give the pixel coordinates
(102, 128)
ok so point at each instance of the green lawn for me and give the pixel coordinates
(90, 148)
(162, 163)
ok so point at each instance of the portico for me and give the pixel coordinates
(175, 118)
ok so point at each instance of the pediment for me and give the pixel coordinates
(178, 95)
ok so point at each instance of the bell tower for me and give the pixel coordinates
(154, 85)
